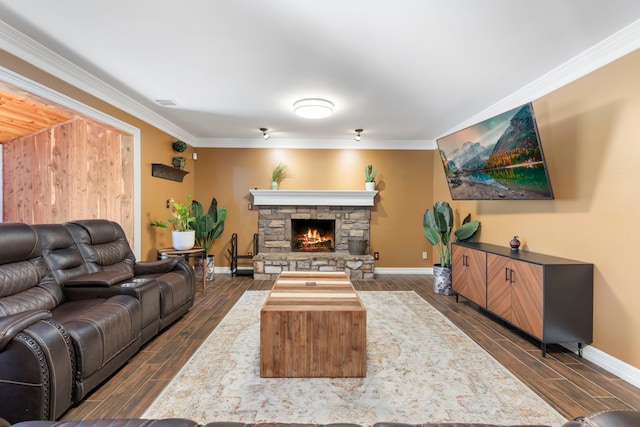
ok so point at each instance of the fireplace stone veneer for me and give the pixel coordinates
(274, 233)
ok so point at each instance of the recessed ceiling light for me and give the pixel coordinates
(313, 108)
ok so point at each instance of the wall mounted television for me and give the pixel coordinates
(497, 159)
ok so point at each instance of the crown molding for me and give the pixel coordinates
(608, 50)
(320, 144)
(29, 50)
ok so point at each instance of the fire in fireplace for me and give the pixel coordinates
(313, 235)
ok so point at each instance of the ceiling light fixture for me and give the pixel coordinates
(264, 131)
(167, 103)
(358, 133)
(313, 108)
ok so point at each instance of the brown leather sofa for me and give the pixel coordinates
(617, 418)
(72, 312)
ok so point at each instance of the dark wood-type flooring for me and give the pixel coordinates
(570, 384)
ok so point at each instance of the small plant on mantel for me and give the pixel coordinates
(370, 177)
(278, 174)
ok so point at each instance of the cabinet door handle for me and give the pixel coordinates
(511, 274)
(506, 274)
(465, 261)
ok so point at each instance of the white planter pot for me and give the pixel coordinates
(370, 186)
(183, 240)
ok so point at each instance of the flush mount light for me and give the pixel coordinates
(358, 133)
(265, 134)
(313, 108)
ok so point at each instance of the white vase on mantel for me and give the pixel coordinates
(370, 186)
(183, 240)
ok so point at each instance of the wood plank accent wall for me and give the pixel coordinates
(79, 169)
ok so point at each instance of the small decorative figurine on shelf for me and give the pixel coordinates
(515, 244)
(179, 162)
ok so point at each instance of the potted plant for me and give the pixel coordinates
(182, 235)
(179, 162)
(278, 173)
(438, 225)
(208, 227)
(370, 177)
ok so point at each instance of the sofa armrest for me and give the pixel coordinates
(100, 279)
(157, 267)
(11, 325)
(609, 418)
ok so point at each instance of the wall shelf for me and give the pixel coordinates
(167, 172)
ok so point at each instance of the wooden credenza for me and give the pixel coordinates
(549, 298)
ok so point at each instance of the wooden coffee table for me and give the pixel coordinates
(313, 324)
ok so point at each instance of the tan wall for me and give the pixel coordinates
(591, 140)
(404, 182)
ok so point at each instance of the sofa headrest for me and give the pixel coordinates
(54, 236)
(19, 243)
(100, 230)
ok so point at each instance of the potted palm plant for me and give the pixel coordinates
(438, 226)
(370, 177)
(208, 227)
(182, 235)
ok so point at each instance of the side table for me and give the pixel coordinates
(195, 252)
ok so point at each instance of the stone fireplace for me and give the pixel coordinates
(310, 231)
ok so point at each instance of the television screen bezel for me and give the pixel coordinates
(484, 123)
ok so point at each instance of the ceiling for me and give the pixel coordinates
(21, 115)
(405, 71)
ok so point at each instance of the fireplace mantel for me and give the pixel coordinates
(313, 197)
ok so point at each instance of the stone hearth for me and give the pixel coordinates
(352, 221)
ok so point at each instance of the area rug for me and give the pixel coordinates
(420, 368)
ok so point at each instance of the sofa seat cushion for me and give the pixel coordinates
(175, 291)
(99, 328)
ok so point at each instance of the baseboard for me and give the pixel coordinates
(379, 270)
(629, 373)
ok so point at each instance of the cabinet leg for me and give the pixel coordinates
(543, 349)
(579, 349)
(456, 297)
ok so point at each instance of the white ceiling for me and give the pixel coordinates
(405, 71)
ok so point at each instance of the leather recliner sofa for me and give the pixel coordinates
(612, 418)
(74, 309)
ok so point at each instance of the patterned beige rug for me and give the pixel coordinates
(420, 368)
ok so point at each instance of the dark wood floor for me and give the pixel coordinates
(571, 384)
